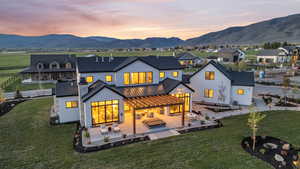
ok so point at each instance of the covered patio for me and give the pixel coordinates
(152, 113)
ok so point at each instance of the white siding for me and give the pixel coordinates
(198, 83)
(137, 66)
(66, 114)
(104, 94)
(99, 76)
(168, 74)
(182, 89)
(245, 99)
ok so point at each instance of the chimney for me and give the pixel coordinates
(102, 58)
(97, 59)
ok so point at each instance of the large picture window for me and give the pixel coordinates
(138, 78)
(186, 97)
(105, 112)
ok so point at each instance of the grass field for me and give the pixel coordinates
(28, 141)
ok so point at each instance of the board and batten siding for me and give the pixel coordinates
(199, 84)
(66, 114)
(137, 66)
(246, 98)
(99, 76)
(169, 74)
(183, 89)
(102, 95)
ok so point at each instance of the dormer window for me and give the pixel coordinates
(68, 66)
(54, 65)
(108, 78)
(40, 66)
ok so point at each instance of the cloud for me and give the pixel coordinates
(135, 18)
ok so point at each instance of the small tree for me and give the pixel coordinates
(2, 98)
(286, 84)
(253, 120)
(18, 94)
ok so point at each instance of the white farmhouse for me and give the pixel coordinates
(140, 94)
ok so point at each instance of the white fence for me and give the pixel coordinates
(30, 93)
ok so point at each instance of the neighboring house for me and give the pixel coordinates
(272, 56)
(213, 83)
(189, 59)
(50, 68)
(292, 51)
(130, 90)
(230, 55)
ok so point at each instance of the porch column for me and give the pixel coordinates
(134, 122)
(183, 113)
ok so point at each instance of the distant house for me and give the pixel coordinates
(230, 55)
(292, 51)
(188, 59)
(212, 58)
(272, 56)
(50, 68)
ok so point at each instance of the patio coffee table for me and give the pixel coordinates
(154, 122)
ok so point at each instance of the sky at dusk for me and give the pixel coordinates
(136, 18)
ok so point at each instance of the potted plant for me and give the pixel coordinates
(106, 139)
(124, 135)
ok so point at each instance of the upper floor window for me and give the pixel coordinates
(54, 65)
(40, 66)
(138, 78)
(162, 74)
(108, 78)
(240, 91)
(71, 104)
(209, 75)
(208, 93)
(68, 65)
(175, 74)
(89, 79)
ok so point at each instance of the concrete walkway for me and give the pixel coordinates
(260, 107)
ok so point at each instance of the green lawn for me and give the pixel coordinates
(23, 87)
(28, 141)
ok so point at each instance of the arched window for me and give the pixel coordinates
(68, 65)
(54, 65)
(40, 66)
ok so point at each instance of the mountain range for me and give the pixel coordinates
(277, 29)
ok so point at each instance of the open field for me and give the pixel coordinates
(27, 141)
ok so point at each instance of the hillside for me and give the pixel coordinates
(278, 29)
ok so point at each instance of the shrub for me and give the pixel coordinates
(124, 135)
(87, 134)
(207, 118)
(262, 151)
(106, 139)
(18, 94)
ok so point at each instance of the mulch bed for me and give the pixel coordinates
(8, 105)
(266, 148)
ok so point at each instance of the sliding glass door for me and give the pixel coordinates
(105, 112)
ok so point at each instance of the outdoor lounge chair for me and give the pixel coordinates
(103, 129)
(116, 128)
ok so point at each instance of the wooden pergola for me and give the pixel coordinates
(139, 103)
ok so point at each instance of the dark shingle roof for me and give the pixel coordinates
(66, 88)
(46, 60)
(164, 87)
(269, 52)
(242, 78)
(237, 78)
(186, 56)
(107, 64)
